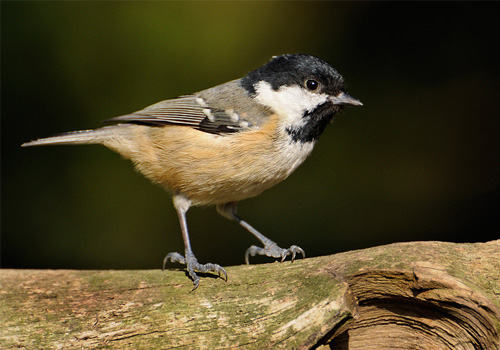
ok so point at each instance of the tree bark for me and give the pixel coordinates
(417, 295)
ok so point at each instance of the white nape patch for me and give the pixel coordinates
(233, 115)
(201, 102)
(209, 114)
(290, 102)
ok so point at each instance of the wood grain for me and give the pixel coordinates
(417, 295)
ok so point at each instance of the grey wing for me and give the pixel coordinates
(188, 111)
(219, 110)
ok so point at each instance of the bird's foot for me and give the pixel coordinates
(193, 265)
(271, 249)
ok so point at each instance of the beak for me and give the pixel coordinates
(344, 99)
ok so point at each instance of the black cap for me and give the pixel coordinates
(295, 69)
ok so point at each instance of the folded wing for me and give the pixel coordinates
(191, 111)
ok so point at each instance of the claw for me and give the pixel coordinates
(252, 251)
(196, 284)
(164, 263)
(192, 264)
(224, 272)
(302, 252)
(173, 257)
(272, 250)
(296, 249)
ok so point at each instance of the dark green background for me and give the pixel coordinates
(419, 161)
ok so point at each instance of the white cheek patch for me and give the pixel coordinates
(290, 102)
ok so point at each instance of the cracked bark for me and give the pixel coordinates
(417, 295)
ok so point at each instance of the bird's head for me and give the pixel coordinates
(305, 91)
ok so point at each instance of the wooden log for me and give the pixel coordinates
(417, 295)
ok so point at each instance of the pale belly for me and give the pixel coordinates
(211, 169)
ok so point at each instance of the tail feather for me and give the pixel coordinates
(73, 138)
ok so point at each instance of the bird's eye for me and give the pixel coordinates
(312, 84)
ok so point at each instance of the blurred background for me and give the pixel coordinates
(419, 161)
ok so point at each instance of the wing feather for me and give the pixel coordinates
(188, 111)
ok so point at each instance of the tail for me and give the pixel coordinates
(94, 136)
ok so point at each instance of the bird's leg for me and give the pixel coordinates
(182, 205)
(228, 210)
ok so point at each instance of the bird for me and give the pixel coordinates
(227, 143)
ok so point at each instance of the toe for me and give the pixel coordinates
(284, 254)
(220, 271)
(302, 252)
(192, 265)
(196, 284)
(296, 250)
(272, 250)
(173, 257)
(252, 251)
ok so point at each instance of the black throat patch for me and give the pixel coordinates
(315, 123)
